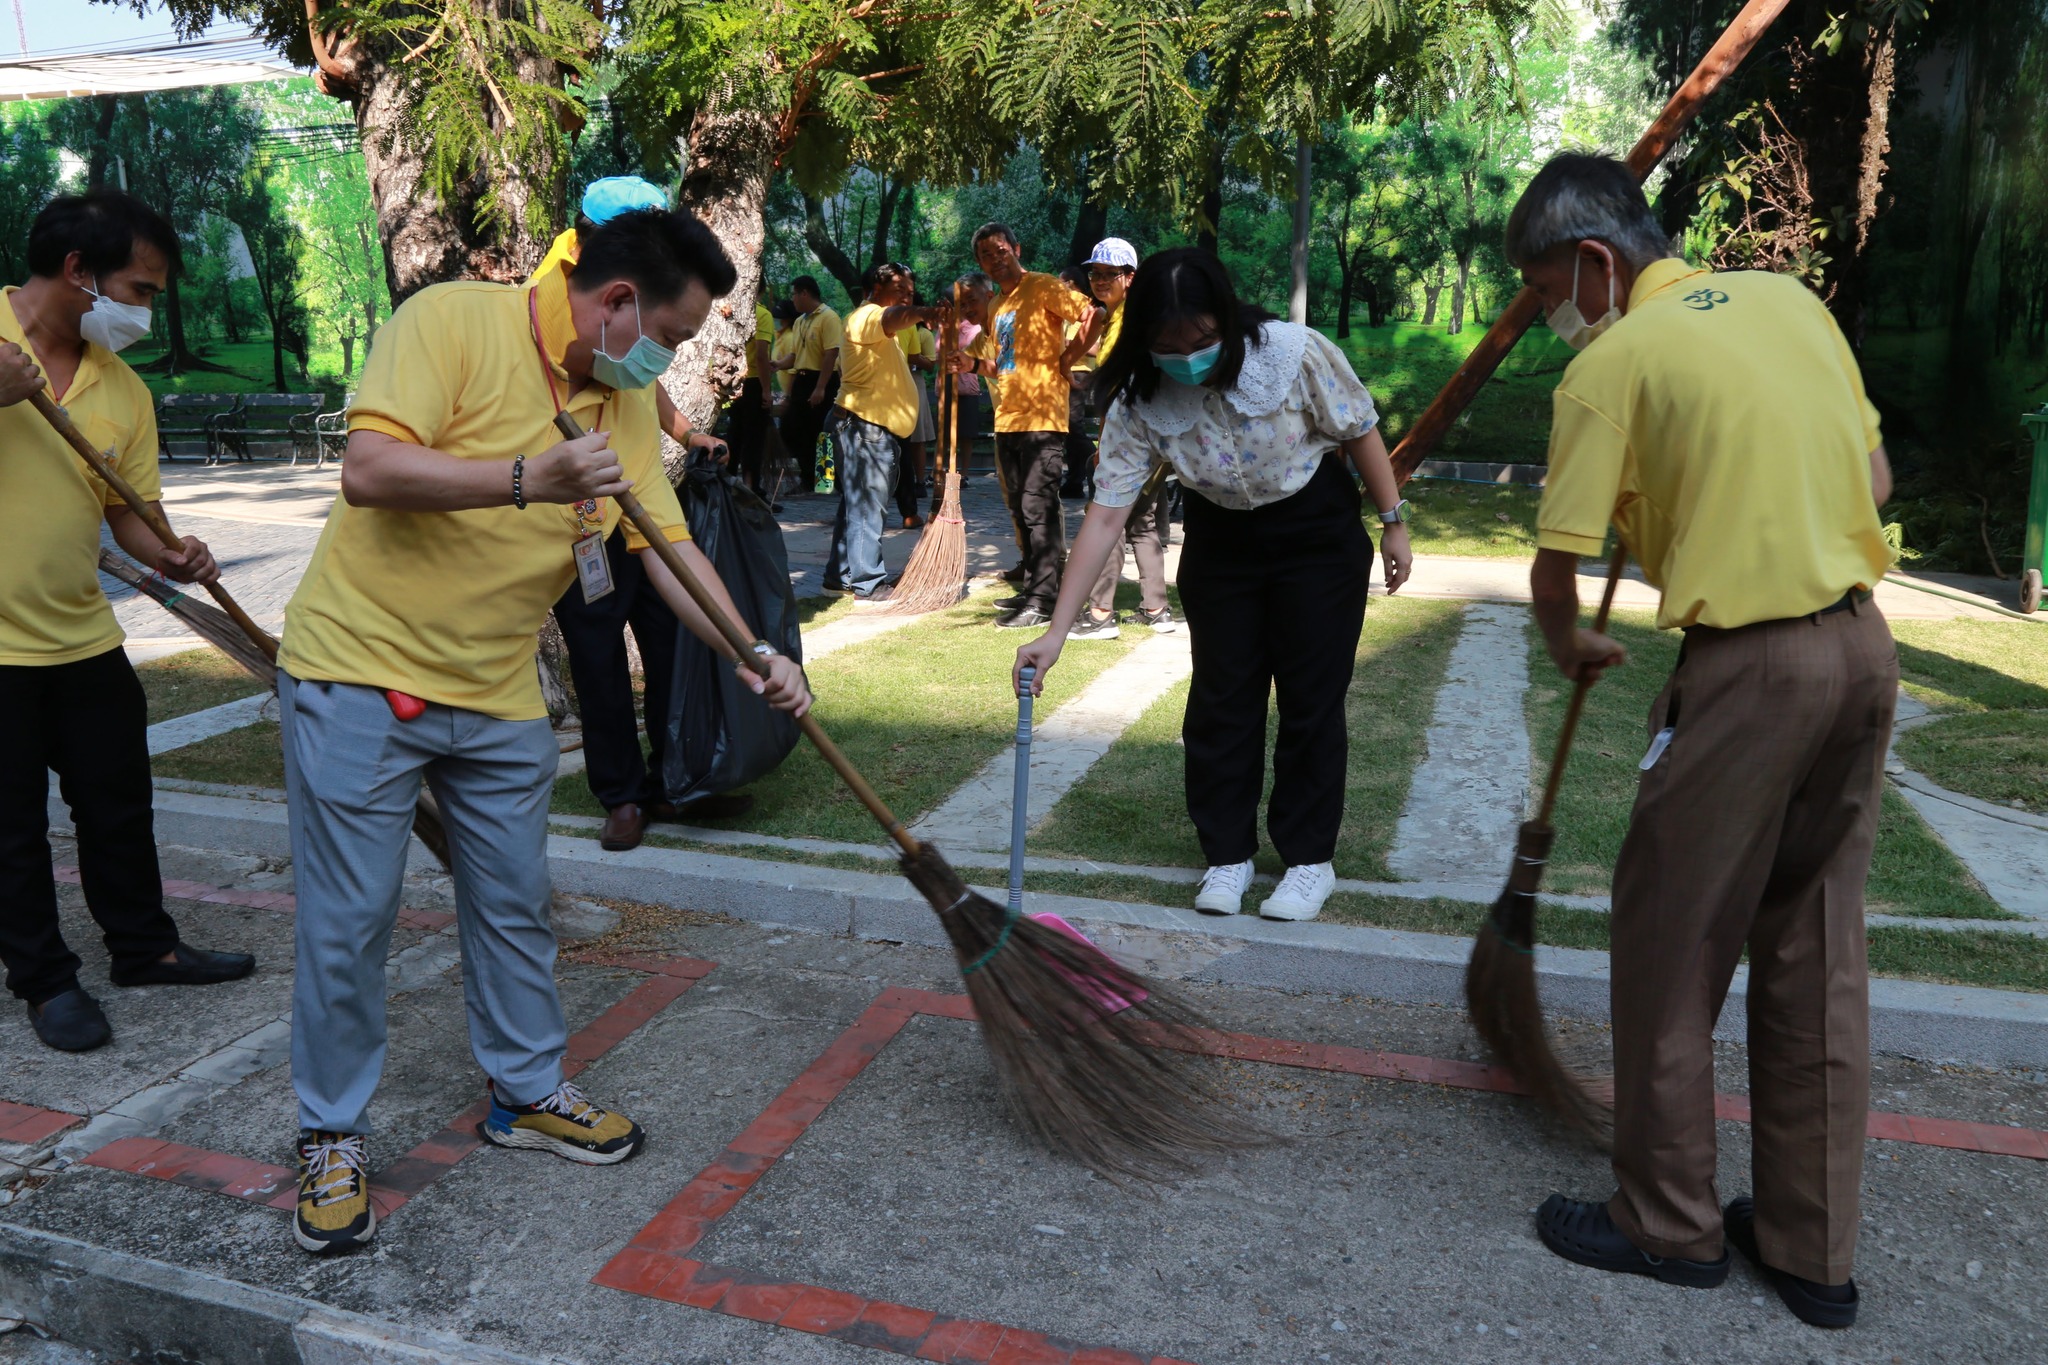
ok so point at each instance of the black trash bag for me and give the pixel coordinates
(721, 735)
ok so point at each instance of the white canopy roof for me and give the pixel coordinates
(209, 61)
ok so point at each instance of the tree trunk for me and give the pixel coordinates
(277, 353)
(369, 295)
(731, 157)
(348, 354)
(1459, 287)
(1091, 225)
(229, 321)
(906, 225)
(885, 217)
(1304, 191)
(818, 237)
(1207, 230)
(1430, 290)
(176, 351)
(107, 107)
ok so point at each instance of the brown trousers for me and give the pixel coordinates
(1753, 829)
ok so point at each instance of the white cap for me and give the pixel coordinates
(1114, 251)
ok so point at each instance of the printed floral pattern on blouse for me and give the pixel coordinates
(1295, 400)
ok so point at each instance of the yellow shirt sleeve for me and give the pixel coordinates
(1588, 452)
(1062, 300)
(413, 376)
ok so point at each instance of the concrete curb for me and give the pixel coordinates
(127, 1307)
(1966, 1024)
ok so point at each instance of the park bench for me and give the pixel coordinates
(186, 420)
(271, 419)
(330, 431)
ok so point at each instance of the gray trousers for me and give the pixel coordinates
(352, 776)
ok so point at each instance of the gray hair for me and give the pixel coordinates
(1577, 196)
(974, 279)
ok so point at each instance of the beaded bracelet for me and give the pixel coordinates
(518, 482)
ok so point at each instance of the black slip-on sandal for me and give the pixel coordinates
(1582, 1231)
(1803, 1297)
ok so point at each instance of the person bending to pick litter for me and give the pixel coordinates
(1260, 419)
(409, 652)
(96, 265)
(1719, 422)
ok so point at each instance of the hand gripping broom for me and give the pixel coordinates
(1109, 1087)
(936, 576)
(228, 628)
(1500, 978)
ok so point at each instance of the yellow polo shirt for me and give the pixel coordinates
(51, 608)
(1026, 335)
(817, 332)
(874, 378)
(764, 336)
(782, 348)
(1721, 425)
(446, 605)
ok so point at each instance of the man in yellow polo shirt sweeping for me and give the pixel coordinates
(97, 263)
(409, 653)
(1719, 423)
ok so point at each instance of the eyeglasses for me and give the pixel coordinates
(1106, 272)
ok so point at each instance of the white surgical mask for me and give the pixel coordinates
(1570, 324)
(111, 324)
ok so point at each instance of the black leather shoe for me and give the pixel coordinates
(1008, 603)
(1023, 618)
(1584, 1232)
(1816, 1305)
(71, 1022)
(188, 966)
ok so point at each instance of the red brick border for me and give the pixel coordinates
(656, 1263)
(28, 1125)
(277, 1186)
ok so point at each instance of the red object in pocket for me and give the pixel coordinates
(405, 706)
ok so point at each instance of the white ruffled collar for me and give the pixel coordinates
(1269, 371)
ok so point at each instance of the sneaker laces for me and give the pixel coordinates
(573, 1105)
(1299, 881)
(1226, 877)
(336, 1165)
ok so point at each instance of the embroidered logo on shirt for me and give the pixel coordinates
(1702, 300)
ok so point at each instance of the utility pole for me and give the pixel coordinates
(21, 27)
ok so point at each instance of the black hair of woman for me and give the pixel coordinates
(1174, 286)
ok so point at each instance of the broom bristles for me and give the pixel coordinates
(1507, 1011)
(936, 576)
(1120, 1090)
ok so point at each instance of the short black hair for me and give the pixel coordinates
(660, 250)
(782, 310)
(806, 284)
(988, 230)
(102, 226)
(1186, 282)
(881, 271)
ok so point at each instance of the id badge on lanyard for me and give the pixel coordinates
(593, 570)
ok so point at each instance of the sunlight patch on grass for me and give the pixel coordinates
(193, 680)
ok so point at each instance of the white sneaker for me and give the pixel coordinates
(1223, 888)
(1301, 892)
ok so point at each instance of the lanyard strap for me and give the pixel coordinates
(589, 512)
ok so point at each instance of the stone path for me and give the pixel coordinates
(180, 731)
(2006, 849)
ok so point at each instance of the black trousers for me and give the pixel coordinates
(1275, 600)
(1080, 477)
(803, 422)
(618, 771)
(1032, 465)
(747, 434)
(88, 722)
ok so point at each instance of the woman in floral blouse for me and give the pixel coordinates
(1265, 424)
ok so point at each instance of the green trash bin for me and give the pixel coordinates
(2037, 511)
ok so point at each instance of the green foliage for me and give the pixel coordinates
(28, 177)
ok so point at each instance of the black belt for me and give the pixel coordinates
(1848, 601)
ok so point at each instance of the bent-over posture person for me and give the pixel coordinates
(1718, 421)
(463, 516)
(96, 265)
(1265, 423)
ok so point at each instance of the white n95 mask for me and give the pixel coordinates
(111, 324)
(1570, 324)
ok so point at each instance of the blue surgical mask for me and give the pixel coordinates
(1189, 369)
(646, 362)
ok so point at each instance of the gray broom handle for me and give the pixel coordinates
(1020, 794)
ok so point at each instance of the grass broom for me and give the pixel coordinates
(1108, 1087)
(228, 628)
(1500, 978)
(936, 576)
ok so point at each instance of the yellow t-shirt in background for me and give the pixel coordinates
(764, 336)
(447, 605)
(874, 378)
(783, 347)
(51, 608)
(1026, 336)
(1722, 426)
(915, 342)
(817, 332)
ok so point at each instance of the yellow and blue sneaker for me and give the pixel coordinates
(334, 1210)
(567, 1124)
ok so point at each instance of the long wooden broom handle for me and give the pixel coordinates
(651, 530)
(1720, 62)
(1552, 783)
(65, 427)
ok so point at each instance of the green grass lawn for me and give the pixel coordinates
(1405, 363)
(1999, 756)
(1911, 873)
(1989, 681)
(1130, 808)
(1472, 520)
(179, 684)
(252, 756)
(248, 370)
(917, 711)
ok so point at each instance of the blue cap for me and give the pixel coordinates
(606, 199)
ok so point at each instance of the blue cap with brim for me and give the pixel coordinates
(606, 199)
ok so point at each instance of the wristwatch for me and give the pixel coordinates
(1397, 516)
